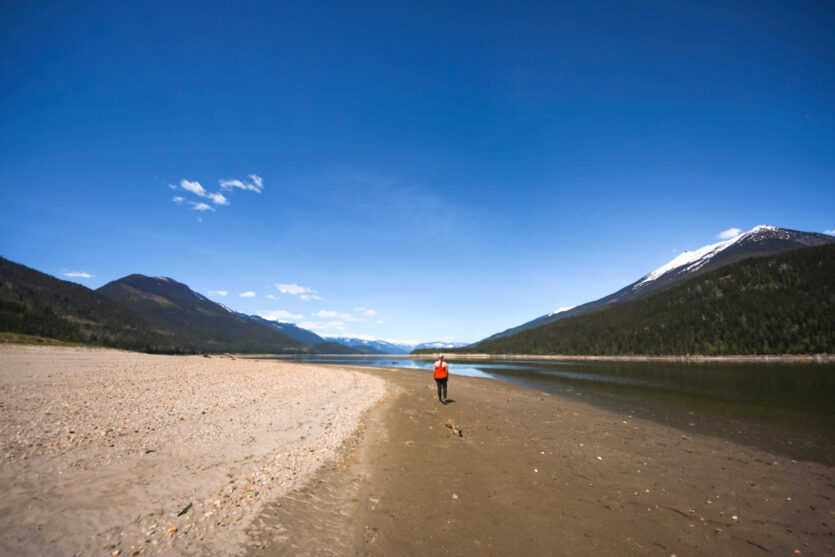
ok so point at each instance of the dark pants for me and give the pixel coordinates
(441, 388)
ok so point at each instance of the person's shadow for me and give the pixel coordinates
(449, 401)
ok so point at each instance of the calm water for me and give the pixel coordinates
(785, 408)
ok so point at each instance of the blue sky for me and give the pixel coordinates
(423, 171)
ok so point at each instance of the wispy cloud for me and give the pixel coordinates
(199, 191)
(219, 292)
(217, 198)
(279, 315)
(255, 183)
(247, 294)
(77, 274)
(303, 292)
(325, 314)
(270, 296)
(193, 187)
(831, 231)
(729, 233)
(323, 325)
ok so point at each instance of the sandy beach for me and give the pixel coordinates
(534, 474)
(116, 453)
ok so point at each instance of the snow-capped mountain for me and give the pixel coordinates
(371, 346)
(439, 345)
(759, 241)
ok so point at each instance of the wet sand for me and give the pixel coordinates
(104, 452)
(541, 475)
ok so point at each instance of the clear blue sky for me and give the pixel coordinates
(455, 168)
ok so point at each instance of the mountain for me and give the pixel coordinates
(321, 345)
(438, 345)
(776, 304)
(386, 347)
(759, 241)
(373, 346)
(289, 329)
(34, 303)
(206, 326)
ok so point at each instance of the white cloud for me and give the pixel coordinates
(270, 296)
(308, 297)
(380, 321)
(77, 274)
(366, 312)
(193, 187)
(279, 315)
(831, 231)
(325, 314)
(178, 199)
(255, 184)
(247, 294)
(323, 325)
(294, 289)
(200, 191)
(729, 233)
(201, 206)
(218, 199)
(219, 292)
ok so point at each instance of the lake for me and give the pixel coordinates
(787, 409)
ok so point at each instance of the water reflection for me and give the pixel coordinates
(785, 408)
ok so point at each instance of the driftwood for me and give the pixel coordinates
(457, 431)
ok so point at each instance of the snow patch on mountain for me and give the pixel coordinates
(556, 311)
(691, 261)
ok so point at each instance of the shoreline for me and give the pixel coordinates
(785, 358)
(539, 474)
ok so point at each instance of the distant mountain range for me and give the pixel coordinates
(150, 314)
(759, 241)
(757, 293)
(385, 347)
(155, 314)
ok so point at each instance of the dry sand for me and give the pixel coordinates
(106, 452)
(541, 475)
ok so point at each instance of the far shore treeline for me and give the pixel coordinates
(774, 305)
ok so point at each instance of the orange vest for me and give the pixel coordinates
(441, 371)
